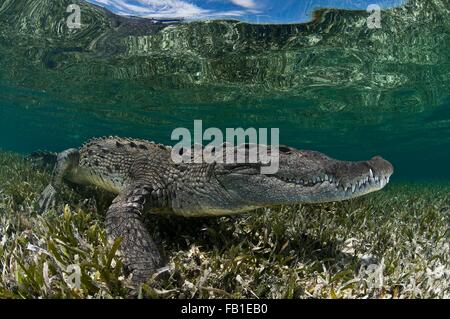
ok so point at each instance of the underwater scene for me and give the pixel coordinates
(355, 95)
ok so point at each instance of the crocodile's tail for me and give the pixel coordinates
(43, 159)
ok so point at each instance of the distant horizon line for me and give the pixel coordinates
(316, 14)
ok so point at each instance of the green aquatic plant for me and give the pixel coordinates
(390, 244)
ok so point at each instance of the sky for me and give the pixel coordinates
(254, 11)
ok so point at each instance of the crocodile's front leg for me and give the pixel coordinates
(124, 220)
(66, 161)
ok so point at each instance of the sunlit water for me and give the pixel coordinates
(332, 85)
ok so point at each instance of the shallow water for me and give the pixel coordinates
(332, 85)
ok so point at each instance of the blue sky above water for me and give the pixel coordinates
(255, 11)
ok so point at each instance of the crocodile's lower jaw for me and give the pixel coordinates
(328, 191)
(363, 188)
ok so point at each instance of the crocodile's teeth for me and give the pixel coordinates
(326, 177)
(370, 173)
(353, 188)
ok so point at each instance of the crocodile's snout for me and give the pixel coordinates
(308, 177)
(352, 179)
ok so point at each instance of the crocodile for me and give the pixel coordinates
(145, 178)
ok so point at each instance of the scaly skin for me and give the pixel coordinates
(145, 178)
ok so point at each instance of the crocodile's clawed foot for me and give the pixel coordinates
(148, 277)
(152, 276)
(47, 200)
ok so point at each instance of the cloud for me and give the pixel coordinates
(154, 8)
(250, 4)
(171, 9)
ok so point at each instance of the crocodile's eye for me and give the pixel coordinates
(285, 149)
